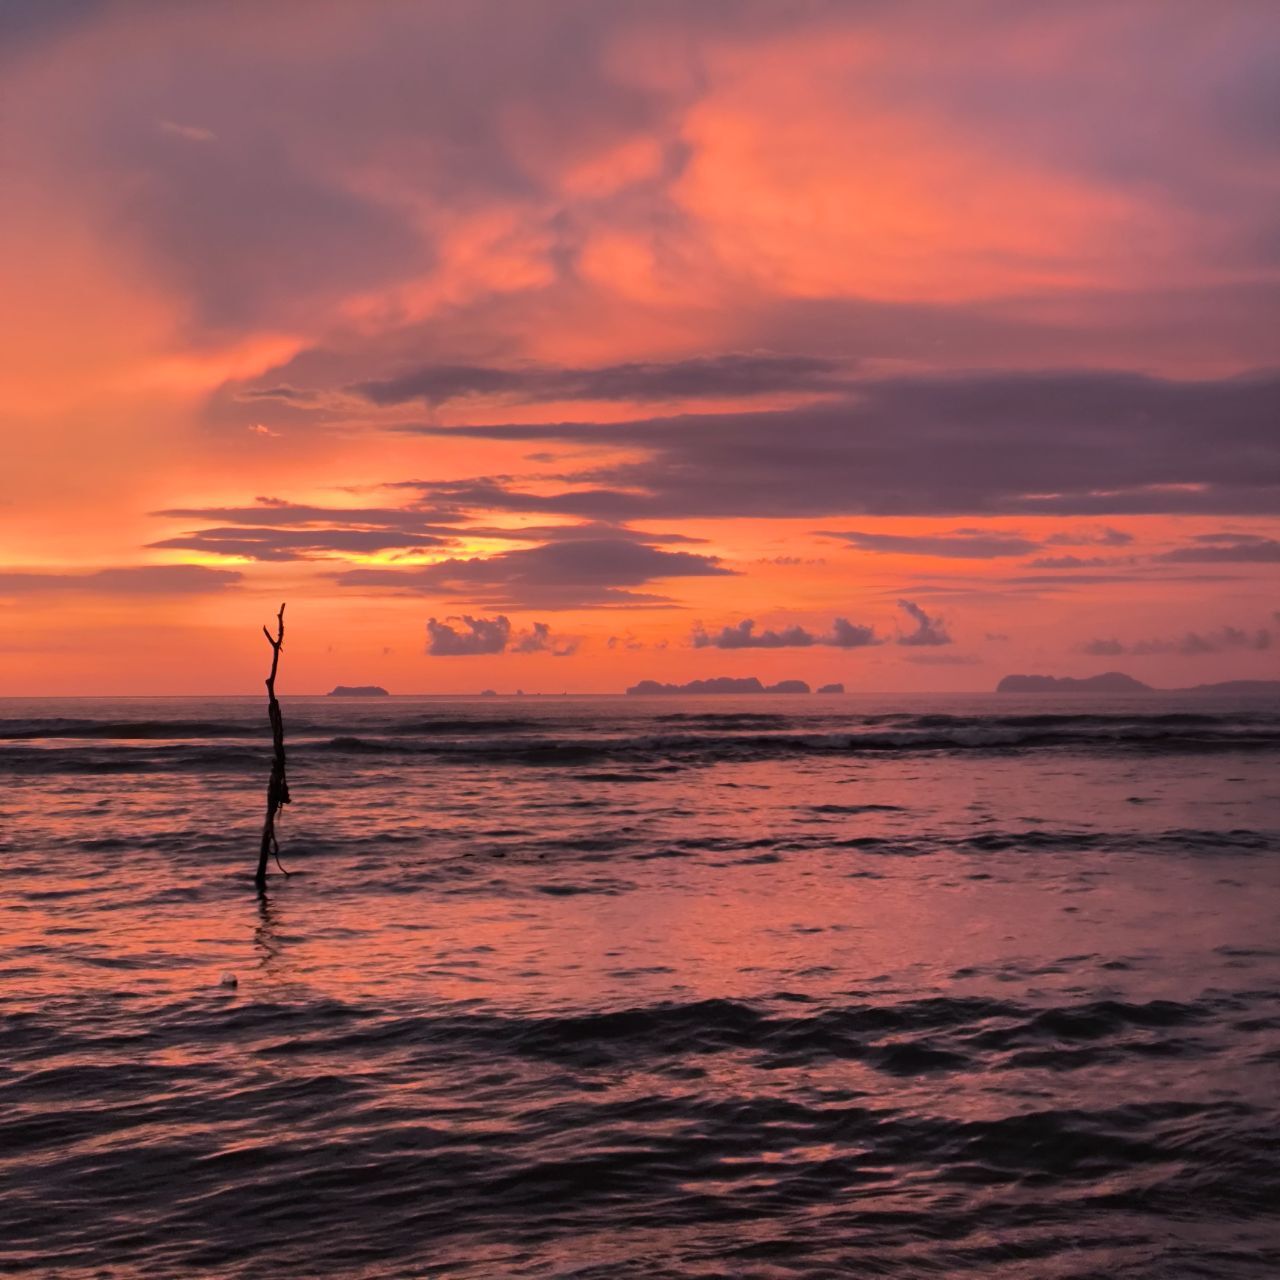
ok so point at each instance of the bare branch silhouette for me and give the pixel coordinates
(278, 786)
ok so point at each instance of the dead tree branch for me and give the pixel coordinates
(278, 786)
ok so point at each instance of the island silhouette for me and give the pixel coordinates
(1119, 682)
(718, 684)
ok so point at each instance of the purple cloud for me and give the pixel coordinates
(743, 635)
(301, 544)
(850, 635)
(557, 575)
(1226, 548)
(1078, 443)
(1192, 644)
(539, 639)
(132, 580)
(1074, 562)
(1099, 536)
(928, 630)
(720, 376)
(475, 636)
(469, 637)
(960, 544)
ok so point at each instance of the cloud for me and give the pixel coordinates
(528, 202)
(276, 512)
(961, 544)
(928, 630)
(583, 531)
(527, 115)
(274, 530)
(299, 544)
(539, 639)
(472, 637)
(287, 394)
(475, 636)
(287, 515)
(743, 635)
(1076, 443)
(1225, 548)
(132, 580)
(850, 635)
(1068, 582)
(213, 243)
(1104, 648)
(1074, 562)
(36, 24)
(188, 132)
(723, 376)
(628, 642)
(490, 108)
(1192, 644)
(558, 575)
(1098, 536)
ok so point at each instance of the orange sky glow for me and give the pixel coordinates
(561, 345)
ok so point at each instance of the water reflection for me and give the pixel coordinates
(978, 1014)
(266, 939)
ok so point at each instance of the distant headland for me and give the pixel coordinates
(1118, 682)
(1107, 682)
(358, 691)
(717, 684)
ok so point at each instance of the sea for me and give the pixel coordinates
(763, 986)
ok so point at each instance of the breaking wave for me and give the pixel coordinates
(678, 738)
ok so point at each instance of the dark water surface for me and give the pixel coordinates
(770, 986)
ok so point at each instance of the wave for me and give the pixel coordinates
(967, 1028)
(462, 725)
(223, 1135)
(56, 728)
(198, 745)
(124, 730)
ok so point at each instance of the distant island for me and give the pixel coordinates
(358, 691)
(831, 688)
(1108, 682)
(1118, 682)
(717, 684)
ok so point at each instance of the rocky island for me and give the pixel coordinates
(1107, 682)
(717, 684)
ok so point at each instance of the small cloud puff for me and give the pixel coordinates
(743, 635)
(1192, 644)
(476, 636)
(929, 630)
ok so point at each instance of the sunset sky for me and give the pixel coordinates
(558, 344)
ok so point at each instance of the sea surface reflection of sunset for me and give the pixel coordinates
(604, 987)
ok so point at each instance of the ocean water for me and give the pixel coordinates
(766, 986)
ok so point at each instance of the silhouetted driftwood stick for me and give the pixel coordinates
(278, 786)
